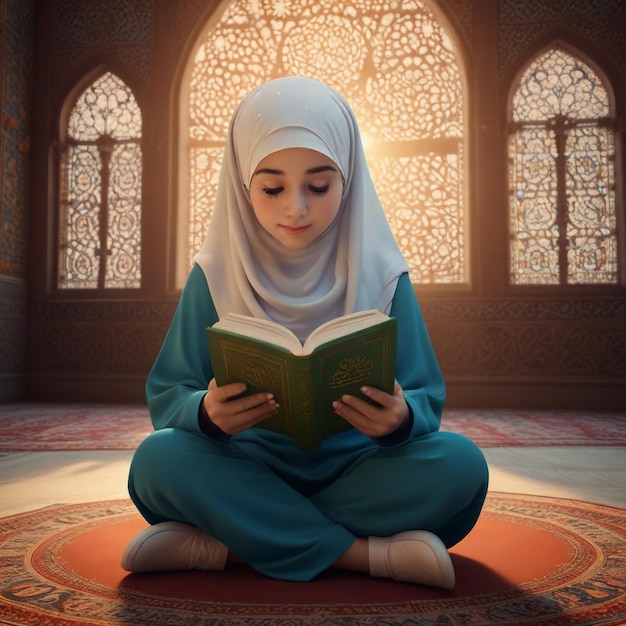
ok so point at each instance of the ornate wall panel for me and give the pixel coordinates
(100, 351)
(12, 339)
(598, 21)
(12, 327)
(88, 338)
(488, 341)
(505, 339)
(83, 28)
(16, 56)
(16, 59)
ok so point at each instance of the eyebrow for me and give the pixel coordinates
(313, 170)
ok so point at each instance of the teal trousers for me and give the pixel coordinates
(290, 514)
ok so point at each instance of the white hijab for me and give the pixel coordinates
(354, 265)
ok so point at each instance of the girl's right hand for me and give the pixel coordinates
(233, 414)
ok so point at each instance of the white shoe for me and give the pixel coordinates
(415, 556)
(173, 546)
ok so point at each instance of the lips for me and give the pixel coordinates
(295, 230)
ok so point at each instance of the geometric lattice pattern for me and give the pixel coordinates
(398, 68)
(17, 24)
(100, 238)
(563, 222)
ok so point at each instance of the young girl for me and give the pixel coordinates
(299, 236)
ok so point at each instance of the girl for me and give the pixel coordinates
(299, 236)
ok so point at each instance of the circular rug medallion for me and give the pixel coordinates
(530, 560)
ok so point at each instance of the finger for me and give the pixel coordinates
(264, 413)
(372, 420)
(398, 392)
(226, 392)
(247, 403)
(361, 422)
(236, 416)
(377, 402)
(380, 397)
(243, 421)
(354, 410)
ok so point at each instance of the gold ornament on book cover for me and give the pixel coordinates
(351, 370)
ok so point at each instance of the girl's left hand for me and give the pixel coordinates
(374, 421)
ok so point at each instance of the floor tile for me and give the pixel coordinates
(30, 480)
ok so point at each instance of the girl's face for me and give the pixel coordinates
(296, 194)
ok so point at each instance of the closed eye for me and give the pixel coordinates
(273, 191)
(319, 191)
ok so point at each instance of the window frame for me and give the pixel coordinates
(62, 142)
(179, 223)
(609, 80)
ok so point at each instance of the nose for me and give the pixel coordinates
(296, 205)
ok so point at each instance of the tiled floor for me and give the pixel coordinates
(590, 474)
(30, 480)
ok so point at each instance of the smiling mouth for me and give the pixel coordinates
(294, 230)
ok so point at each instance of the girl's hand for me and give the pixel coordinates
(234, 415)
(374, 421)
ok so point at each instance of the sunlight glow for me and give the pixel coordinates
(397, 68)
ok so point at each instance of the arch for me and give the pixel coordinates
(100, 186)
(578, 47)
(384, 57)
(87, 75)
(562, 178)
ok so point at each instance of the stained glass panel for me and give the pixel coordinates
(425, 217)
(80, 246)
(557, 84)
(205, 165)
(101, 168)
(123, 265)
(106, 107)
(399, 70)
(591, 227)
(562, 176)
(534, 196)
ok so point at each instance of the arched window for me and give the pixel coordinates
(101, 168)
(399, 69)
(562, 176)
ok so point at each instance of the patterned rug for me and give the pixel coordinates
(530, 560)
(30, 426)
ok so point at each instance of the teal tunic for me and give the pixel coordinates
(288, 513)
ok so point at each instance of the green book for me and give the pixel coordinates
(337, 358)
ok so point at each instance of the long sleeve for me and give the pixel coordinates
(182, 370)
(417, 369)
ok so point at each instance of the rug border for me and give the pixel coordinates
(315, 612)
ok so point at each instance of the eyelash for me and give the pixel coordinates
(320, 191)
(316, 191)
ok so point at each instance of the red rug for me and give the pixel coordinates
(114, 427)
(530, 560)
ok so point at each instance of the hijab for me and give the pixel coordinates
(354, 265)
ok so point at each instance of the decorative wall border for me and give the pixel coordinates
(12, 338)
(598, 21)
(494, 339)
(84, 28)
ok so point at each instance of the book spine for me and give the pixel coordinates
(307, 433)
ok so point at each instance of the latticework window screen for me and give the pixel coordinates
(101, 170)
(398, 68)
(562, 176)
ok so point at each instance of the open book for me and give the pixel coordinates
(339, 357)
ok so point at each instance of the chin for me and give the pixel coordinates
(295, 245)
